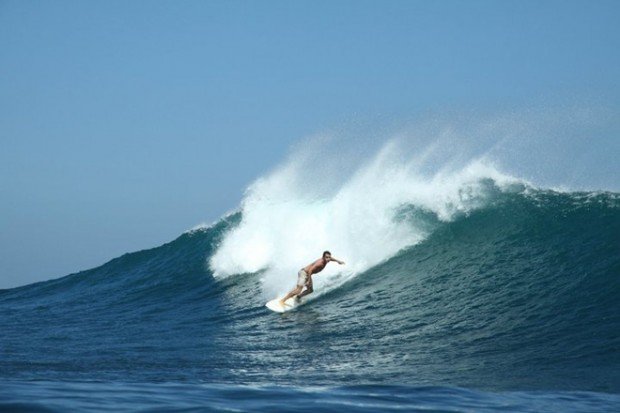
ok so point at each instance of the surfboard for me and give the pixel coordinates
(274, 305)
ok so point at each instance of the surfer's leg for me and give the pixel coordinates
(293, 292)
(309, 288)
(302, 279)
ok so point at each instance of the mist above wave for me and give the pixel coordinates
(317, 201)
(347, 193)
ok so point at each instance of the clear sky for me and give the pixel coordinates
(122, 124)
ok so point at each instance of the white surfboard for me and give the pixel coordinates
(274, 305)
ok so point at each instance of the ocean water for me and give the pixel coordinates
(465, 290)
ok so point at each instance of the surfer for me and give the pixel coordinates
(304, 276)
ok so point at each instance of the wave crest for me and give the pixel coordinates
(288, 220)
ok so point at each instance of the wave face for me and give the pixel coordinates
(521, 293)
(454, 277)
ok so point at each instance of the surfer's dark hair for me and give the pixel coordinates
(325, 253)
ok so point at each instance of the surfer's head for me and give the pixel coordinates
(327, 255)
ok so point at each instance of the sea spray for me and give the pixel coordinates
(288, 220)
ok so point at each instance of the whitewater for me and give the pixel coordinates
(467, 287)
(294, 213)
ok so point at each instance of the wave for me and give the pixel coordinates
(458, 275)
(288, 218)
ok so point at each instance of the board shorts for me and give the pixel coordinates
(302, 278)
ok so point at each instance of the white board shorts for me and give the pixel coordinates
(302, 278)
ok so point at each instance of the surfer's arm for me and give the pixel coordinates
(337, 260)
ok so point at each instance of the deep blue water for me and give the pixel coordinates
(511, 307)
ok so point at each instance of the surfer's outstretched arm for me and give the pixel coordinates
(337, 260)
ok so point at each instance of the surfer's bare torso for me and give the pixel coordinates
(316, 266)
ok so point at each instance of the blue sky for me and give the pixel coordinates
(123, 124)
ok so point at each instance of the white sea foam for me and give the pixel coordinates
(295, 213)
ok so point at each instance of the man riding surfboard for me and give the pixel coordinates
(304, 276)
